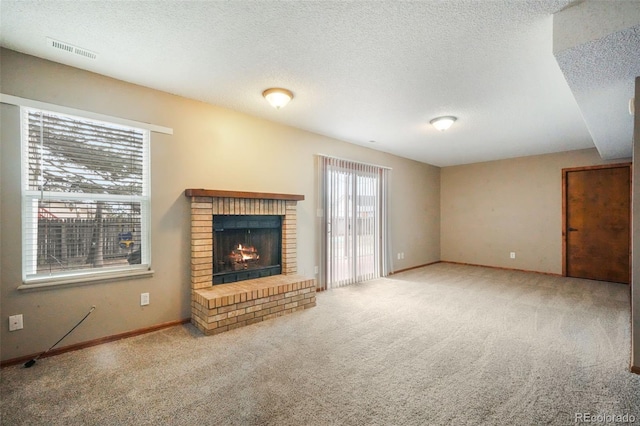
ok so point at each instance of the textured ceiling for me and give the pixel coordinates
(600, 63)
(360, 71)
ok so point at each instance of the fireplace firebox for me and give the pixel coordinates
(246, 247)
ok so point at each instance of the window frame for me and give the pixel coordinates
(29, 202)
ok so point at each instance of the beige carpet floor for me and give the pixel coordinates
(441, 345)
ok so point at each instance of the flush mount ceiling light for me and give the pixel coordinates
(443, 123)
(277, 97)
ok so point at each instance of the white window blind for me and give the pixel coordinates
(85, 197)
(355, 221)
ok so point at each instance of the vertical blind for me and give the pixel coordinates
(354, 202)
(85, 195)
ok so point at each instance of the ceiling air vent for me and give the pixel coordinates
(70, 48)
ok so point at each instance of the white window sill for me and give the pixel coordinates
(49, 282)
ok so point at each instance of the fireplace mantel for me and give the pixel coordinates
(241, 194)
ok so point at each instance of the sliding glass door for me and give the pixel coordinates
(354, 221)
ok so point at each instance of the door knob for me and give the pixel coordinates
(572, 229)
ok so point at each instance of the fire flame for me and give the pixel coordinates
(247, 253)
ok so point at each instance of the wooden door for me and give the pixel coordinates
(597, 222)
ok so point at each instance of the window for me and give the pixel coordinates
(85, 198)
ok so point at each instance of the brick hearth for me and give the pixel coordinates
(226, 306)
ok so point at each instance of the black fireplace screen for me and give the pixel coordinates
(246, 247)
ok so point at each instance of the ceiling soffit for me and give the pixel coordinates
(597, 46)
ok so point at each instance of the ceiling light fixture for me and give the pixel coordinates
(443, 123)
(277, 97)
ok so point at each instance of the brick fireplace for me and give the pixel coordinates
(222, 307)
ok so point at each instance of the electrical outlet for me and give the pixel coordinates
(402, 255)
(398, 256)
(512, 255)
(315, 269)
(144, 299)
(15, 322)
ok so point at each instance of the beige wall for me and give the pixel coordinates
(491, 209)
(211, 148)
(635, 264)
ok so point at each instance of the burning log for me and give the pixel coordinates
(242, 255)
